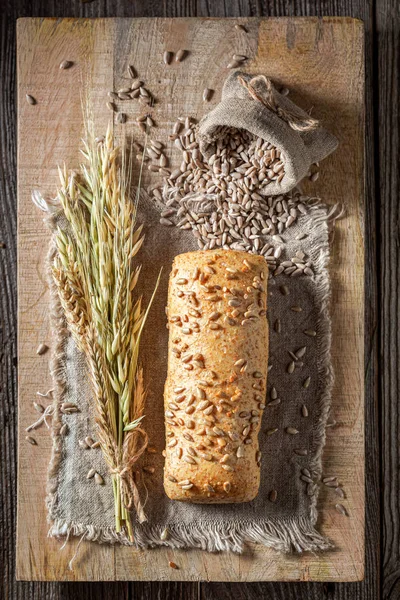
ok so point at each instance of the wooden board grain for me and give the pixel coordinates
(321, 61)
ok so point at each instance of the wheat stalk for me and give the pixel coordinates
(96, 275)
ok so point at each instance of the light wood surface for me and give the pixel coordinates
(321, 61)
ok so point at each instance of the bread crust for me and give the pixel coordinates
(217, 369)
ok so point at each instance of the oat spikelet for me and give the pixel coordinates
(96, 275)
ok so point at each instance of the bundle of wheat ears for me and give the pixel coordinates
(95, 274)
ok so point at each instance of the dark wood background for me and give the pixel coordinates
(382, 332)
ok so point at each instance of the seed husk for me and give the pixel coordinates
(121, 118)
(341, 509)
(30, 99)
(272, 496)
(31, 440)
(131, 72)
(111, 106)
(241, 28)
(38, 407)
(41, 349)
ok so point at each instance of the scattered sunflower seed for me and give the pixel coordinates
(30, 99)
(98, 479)
(66, 64)
(41, 349)
(164, 534)
(167, 57)
(272, 496)
(180, 55)
(292, 430)
(341, 509)
(173, 565)
(31, 440)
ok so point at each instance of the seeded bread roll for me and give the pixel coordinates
(217, 367)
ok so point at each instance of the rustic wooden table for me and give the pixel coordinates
(382, 23)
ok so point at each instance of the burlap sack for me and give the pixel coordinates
(254, 104)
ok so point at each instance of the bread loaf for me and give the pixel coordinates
(217, 366)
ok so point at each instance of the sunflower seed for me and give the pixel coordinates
(180, 55)
(300, 451)
(241, 28)
(341, 509)
(64, 429)
(310, 332)
(301, 352)
(292, 430)
(189, 459)
(91, 474)
(274, 402)
(290, 368)
(30, 99)
(272, 496)
(273, 393)
(66, 64)
(38, 407)
(171, 478)
(31, 440)
(271, 431)
(121, 118)
(339, 491)
(304, 411)
(41, 349)
(164, 535)
(306, 382)
(98, 479)
(207, 94)
(277, 326)
(149, 470)
(131, 72)
(167, 57)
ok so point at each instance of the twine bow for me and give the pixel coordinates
(269, 100)
(126, 458)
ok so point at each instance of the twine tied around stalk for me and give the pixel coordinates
(123, 469)
(268, 99)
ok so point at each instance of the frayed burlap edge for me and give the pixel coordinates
(285, 535)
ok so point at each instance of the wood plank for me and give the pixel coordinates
(325, 47)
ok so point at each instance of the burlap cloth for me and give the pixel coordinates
(262, 110)
(77, 506)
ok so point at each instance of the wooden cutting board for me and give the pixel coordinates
(321, 61)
